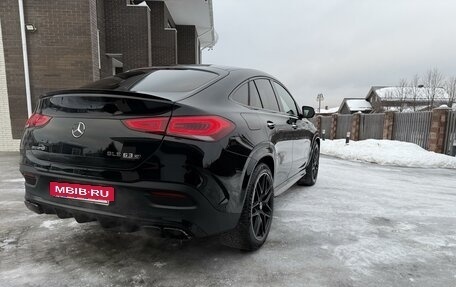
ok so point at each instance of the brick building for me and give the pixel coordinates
(71, 43)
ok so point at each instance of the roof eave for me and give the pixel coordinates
(197, 13)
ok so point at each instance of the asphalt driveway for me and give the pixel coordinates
(361, 225)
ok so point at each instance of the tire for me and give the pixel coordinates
(256, 217)
(310, 178)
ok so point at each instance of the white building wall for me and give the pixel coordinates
(6, 137)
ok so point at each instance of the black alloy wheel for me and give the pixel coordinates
(315, 163)
(310, 178)
(256, 217)
(262, 203)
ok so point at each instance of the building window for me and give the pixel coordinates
(117, 66)
(136, 3)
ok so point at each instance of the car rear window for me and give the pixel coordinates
(169, 81)
(241, 95)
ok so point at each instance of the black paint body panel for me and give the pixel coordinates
(214, 175)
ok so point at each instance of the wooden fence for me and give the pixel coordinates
(344, 124)
(325, 127)
(412, 127)
(450, 142)
(371, 126)
(434, 130)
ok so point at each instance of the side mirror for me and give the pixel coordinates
(308, 112)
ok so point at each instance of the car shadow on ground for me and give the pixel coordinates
(91, 244)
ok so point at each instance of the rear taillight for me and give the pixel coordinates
(206, 128)
(148, 125)
(37, 120)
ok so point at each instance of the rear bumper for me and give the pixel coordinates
(133, 208)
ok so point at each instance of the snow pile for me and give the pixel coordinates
(386, 152)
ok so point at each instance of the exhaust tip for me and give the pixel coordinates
(33, 207)
(167, 232)
(176, 232)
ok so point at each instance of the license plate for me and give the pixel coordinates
(91, 193)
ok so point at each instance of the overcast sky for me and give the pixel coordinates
(336, 47)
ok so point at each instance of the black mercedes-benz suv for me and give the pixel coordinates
(186, 150)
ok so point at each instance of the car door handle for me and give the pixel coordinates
(270, 124)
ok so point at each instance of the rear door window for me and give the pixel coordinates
(267, 94)
(287, 103)
(254, 97)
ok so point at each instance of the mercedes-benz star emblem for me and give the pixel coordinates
(78, 130)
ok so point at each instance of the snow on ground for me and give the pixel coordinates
(387, 152)
(394, 227)
(50, 224)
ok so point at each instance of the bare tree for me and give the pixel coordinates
(450, 86)
(432, 81)
(388, 101)
(401, 94)
(414, 90)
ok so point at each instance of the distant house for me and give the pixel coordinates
(405, 99)
(328, 111)
(354, 105)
